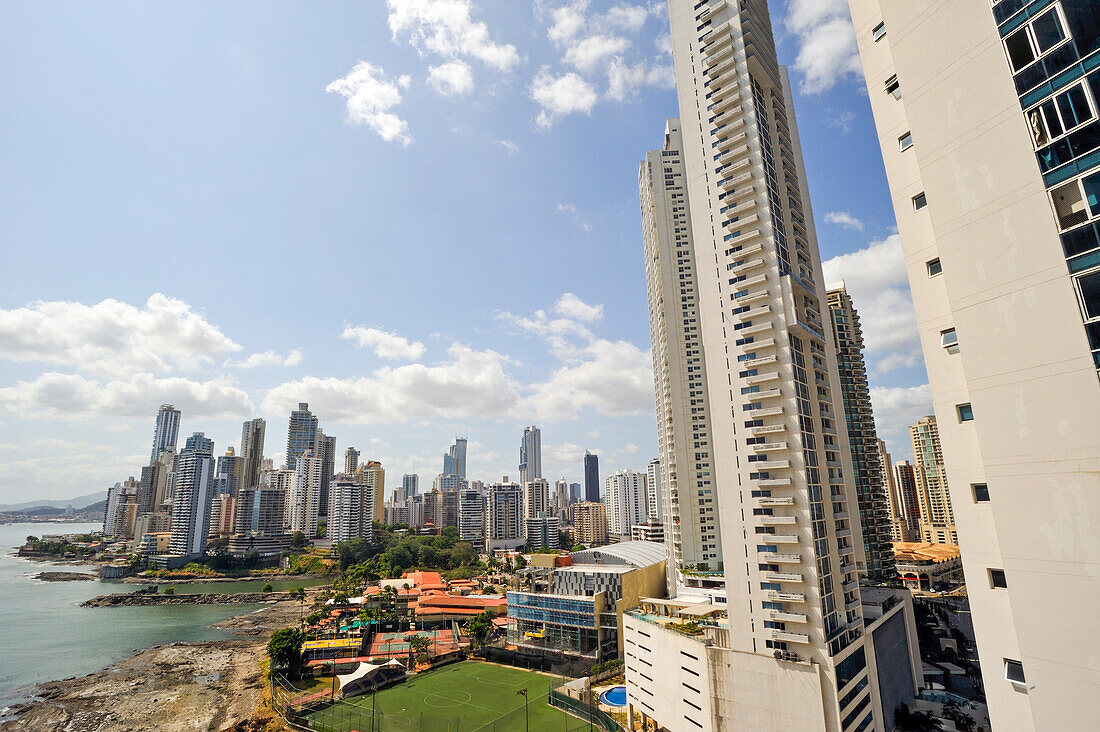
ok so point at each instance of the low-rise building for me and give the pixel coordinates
(649, 531)
(928, 566)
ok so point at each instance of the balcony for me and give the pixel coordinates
(780, 635)
(768, 429)
(769, 412)
(767, 394)
(761, 379)
(778, 520)
(783, 577)
(843, 533)
(758, 361)
(773, 482)
(742, 221)
(745, 250)
(746, 266)
(786, 617)
(775, 501)
(752, 297)
(785, 596)
(781, 558)
(778, 538)
(769, 446)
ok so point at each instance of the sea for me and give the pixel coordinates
(45, 635)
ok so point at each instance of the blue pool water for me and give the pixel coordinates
(614, 697)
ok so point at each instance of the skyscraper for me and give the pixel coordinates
(351, 461)
(192, 496)
(874, 509)
(590, 523)
(654, 505)
(410, 485)
(905, 503)
(937, 517)
(591, 477)
(260, 511)
(454, 462)
(530, 454)
(252, 450)
(536, 497)
(471, 517)
(371, 473)
(231, 465)
(351, 513)
(787, 609)
(625, 498)
(324, 448)
(503, 513)
(305, 495)
(301, 433)
(166, 431)
(987, 120)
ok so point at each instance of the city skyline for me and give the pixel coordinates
(507, 363)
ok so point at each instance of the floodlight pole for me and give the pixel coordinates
(526, 722)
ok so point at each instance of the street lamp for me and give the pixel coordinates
(526, 722)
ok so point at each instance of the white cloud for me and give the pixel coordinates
(447, 28)
(71, 396)
(55, 466)
(558, 96)
(370, 98)
(111, 337)
(567, 22)
(385, 345)
(845, 219)
(631, 449)
(510, 146)
(895, 409)
(577, 216)
(589, 53)
(269, 358)
(827, 50)
(471, 384)
(453, 78)
(566, 453)
(624, 82)
(630, 18)
(875, 278)
(571, 306)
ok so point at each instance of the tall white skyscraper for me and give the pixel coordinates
(454, 462)
(252, 450)
(351, 510)
(987, 114)
(654, 504)
(410, 485)
(193, 494)
(351, 461)
(536, 497)
(305, 495)
(625, 498)
(504, 524)
(166, 431)
(471, 517)
(301, 433)
(530, 454)
(778, 476)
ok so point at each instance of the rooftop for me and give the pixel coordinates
(917, 551)
(635, 553)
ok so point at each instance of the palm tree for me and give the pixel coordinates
(909, 721)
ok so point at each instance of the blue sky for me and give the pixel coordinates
(421, 216)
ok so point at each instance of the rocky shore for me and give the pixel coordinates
(182, 686)
(65, 576)
(144, 598)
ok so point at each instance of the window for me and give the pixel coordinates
(1034, 39)
(905, 141)
(949, 339)
(1060, 115)
(997, 579)
(1014, 671)
(893, 87)
(1088, 286)
(981, 492)
(878, 32)
(934, 267)
(966, 412)
(919, 201)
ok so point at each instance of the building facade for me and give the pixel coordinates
(351, 461)
(591, 477)
(301, 433)
(653, 491)
(987, 122)
(305, 494)
(166, 432)
(590, 523)
(542, 531)
(907, 526)
(625, 497)
(252, 451)
(351, 512)
(471, 517)
(192, 496)
(530, 454)
(261, 511)
(937, 517)
(504, 517)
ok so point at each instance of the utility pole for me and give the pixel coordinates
(526, 722)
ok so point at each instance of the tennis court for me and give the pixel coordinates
(396, 645)
(461, 697)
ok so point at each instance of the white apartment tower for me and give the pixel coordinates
(536, 497)
(692, 525)
(193, 494)
(530, 454)
(166, 431)
(625, 497)
(787, 650)
(504, 522)
(305, 495)
(655, 507)
(471, 517)
(351, 510)
(987, 114)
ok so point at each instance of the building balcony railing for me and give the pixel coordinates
(785, 596)
(767, 393)
(773, 482)
(768, 412)
(768, 446)
(762, 361)
(787, 617)
(775, 501)
(768, 429)
(781, 635)
(774, 558)
(783, 577)
(762, 379)
(778, 520)
(778, 538)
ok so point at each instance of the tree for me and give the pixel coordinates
(267, 588)
(299, 594)
(322, 529)
(520, 562)
(298, 540)
(909, 721)
(578, 547)
(285, 649)
(418, 644)
(169, 590)
(479, 628)
(963, 721)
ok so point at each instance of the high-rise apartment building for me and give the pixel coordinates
(471, 517)
(591, 477)
(351, 511)
(625, 498)
(937, 518)
(301, 433)
(192, 496)
(351, 461)
(786, 608)
(324, 448)
(410, 485)
(530, 454)
(260, 511)
(870, 483)
(542, 531)
(988, 125)
(305, 495)
(454, 462)
(536, 497)
(371, 473)
(252, 450)
(905, 503)
(654, 504)
(576, 493)
(561, 496)
(589, 523)
(231, 465)
(166, 431)
(504, 516)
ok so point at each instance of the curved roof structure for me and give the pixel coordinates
(632, 553)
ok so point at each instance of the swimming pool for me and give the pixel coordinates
(614, 697)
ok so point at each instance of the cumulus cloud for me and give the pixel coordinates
(844, 219)
(112, 337)
(576, 215)
(558, 96)
(589, 53)
(71, 396)
(571, 306)
(453, 78)
(385, 345)
(895, 409)
(270, 358)
(470, 384)
(447, 28)
(827, 50)
(54, 466)
(624, 82)
(876, 280)
(370, 99)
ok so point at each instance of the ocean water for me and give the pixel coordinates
(45, 635)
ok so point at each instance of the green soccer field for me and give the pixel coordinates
(462, 697)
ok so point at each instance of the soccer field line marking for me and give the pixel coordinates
(459, 704)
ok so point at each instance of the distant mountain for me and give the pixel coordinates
(77, 503)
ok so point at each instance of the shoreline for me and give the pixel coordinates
(174, 687)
